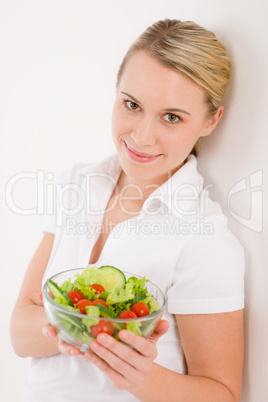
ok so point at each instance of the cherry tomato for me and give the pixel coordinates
(82, 304)
(127, 314)
(75, 296)
(140, 309)
(97, 288)
(102, 326)
(99, 301)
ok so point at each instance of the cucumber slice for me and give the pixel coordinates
(71, 320)
(57, 292)
(105, 313)
(111, 278)
(138, 298)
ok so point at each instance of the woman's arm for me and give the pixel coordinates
(213, 346)
(29, 316)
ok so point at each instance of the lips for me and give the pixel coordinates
(140, 156)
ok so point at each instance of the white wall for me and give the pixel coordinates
(57, 75)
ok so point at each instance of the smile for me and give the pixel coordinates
(139, 156)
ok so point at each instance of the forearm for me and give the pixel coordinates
(26, 333)
(163, 384)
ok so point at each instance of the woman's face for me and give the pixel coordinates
(158, 116)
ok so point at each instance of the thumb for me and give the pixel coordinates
(160, 330)
(40, 296)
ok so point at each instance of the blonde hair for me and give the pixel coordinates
(189, 49)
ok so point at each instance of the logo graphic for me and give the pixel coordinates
(255, 222)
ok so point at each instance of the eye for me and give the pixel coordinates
(131, 105)
(171, 118)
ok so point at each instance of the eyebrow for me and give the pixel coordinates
(169, 110)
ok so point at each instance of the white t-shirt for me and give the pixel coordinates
(180, 241)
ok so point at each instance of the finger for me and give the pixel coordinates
(160, 330)
(118, 380)
(144, 346)
(40, 296)
(63, 346)
(122, 359)
(124, 353)
(48, 331)
(67, 349)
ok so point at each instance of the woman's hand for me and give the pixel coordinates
(49, 332)
(125, 367)
(145, 348)
(64, 347)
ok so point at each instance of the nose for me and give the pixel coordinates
(145, 132)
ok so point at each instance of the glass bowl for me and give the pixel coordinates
(73, 327)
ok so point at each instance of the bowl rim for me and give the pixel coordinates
(85, 316)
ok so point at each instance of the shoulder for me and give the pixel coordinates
(209, 235)
(76, 173)
(209, 272)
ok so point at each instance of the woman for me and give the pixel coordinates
(155, 219)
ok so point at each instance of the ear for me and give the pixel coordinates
(212, 122)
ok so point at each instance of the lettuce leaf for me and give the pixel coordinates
(134, 326)
(151, 303)
(117, 308)
(122, 299)
(82, 282)
(138, 285)
(133, 288)
(64, 304)
(117, 301)
(93, 311)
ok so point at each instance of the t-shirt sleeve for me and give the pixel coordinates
(49, 224)
(209, 275)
